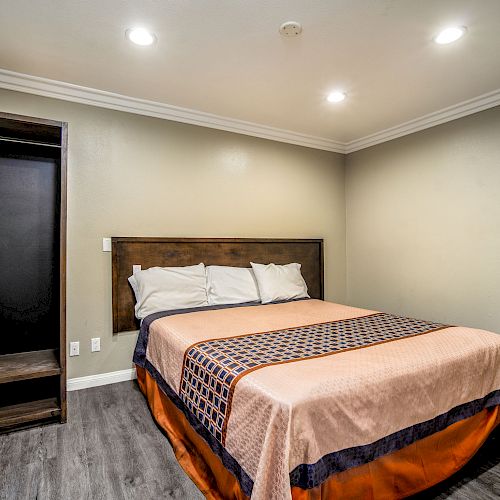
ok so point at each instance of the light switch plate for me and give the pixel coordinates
(106, 244)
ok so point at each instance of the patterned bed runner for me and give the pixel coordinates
(212, 368)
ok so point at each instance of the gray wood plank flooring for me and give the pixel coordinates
(111, 449)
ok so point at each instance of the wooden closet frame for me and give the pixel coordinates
(17, 368)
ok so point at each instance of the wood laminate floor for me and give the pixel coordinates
(111, 449)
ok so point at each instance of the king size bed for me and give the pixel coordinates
(303, 398)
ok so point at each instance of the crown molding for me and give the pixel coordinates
(84, 95)
(480, 103)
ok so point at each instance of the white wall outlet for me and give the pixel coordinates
(95, 344)
(136, 268)
(74, 348)
(106, 244)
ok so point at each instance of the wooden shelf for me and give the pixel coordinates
(28, 412)
(28, 365)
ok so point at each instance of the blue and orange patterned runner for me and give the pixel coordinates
(212, 368)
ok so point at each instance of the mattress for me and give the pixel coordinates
(306, 398)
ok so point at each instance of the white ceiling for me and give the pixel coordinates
(226, 56)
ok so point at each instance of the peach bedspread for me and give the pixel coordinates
(397, 475)
(316, 416)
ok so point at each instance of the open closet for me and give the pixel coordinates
(32, 271)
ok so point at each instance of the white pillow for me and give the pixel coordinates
(167, 288)
(231, 285)
(279, 282)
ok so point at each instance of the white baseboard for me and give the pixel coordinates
(75, 384)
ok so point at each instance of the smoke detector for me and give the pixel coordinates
(291, 28)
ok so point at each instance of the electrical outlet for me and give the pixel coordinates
(74, 348)
(95, 344)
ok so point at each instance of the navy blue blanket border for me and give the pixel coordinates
(229, 462)
(308, 476)
(142, 340)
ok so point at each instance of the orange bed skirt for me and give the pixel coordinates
(397, 475)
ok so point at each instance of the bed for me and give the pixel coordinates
(306, 399)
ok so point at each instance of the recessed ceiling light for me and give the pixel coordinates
(450, 34)
(140, 36)
(336, 96)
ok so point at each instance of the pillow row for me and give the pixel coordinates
(168, 288)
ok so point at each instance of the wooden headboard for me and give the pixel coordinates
(164, 252)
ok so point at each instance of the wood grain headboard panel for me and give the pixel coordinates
(164, 252)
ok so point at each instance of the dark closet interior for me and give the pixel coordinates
(32, 271)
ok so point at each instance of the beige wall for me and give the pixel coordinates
(422, 211)
(136, 176)
(423, 223)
